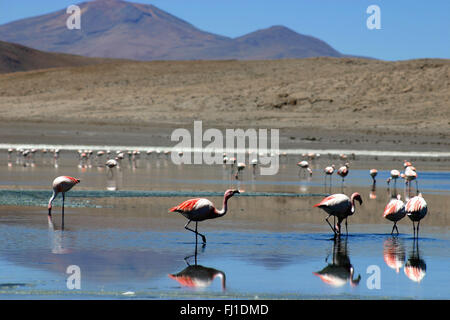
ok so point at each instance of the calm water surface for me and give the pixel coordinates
(272, 243)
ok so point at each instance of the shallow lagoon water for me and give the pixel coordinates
(272, 243)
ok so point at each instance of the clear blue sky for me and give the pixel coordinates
(409, 29)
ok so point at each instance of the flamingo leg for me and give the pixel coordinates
(418, 224)
(394, 228)
(195, 231)
(62, 223)
(338, 227)
(332, 228)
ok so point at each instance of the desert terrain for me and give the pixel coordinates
(315, 102)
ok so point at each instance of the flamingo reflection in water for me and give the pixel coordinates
(340, 271)
(394, 253)
(197, 276)
(415, 268)
(57, 239)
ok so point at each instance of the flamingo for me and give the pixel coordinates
(373, 174)
(329, 171)
(343, 172)
(395, 174)
(200, 209)
(240, 167)
(416, 208)
(305, 165)
(111, 163)
(406, 164)
(410, 175)
(61, 185)
(394, 211)
(254, 163)
(340, 206)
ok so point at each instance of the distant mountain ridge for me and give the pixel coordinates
(120, 29)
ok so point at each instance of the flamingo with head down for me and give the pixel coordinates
(416, 208)
(61, 185)
(394, 211)
(339, 206)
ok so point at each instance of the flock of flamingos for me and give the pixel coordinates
(339, 206)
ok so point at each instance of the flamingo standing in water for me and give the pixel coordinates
(305, 165)
(61, 185)
(339, 206)
(395, 174)
(343, 172)
(416, 208)
(373, 174)
(240, 167)
(200, 209)
(410, 175)
(329, 172)
(111, 163)
(394, 211)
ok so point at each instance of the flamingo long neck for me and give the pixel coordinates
(353, 205)
(224, 207)
(51, 200)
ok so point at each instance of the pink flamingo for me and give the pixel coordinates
(329, 172)
(305, 165)
(416, 208)
(395, 174)
(395, 211)
(410, 175)
(340, 206)
(373, 174)
(61, 185)
(406, 164)
(200, 209)
(343, 172)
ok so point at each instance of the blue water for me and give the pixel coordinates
(270, 245)
(256, 264)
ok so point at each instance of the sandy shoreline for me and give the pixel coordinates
(154, 135)
(317, 103)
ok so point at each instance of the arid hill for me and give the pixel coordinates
(340, 98)
(15, 57)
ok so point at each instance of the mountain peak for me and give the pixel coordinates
(121, 29)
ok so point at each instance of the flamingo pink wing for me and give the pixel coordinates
(414, 205)
(324, 201)
(71, 179)
(390, 209)
(187, 205)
